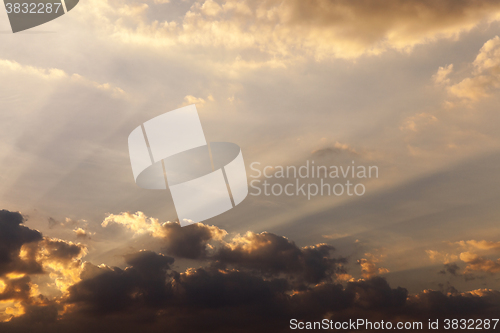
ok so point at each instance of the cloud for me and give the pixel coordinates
(437, 130)
(149, 262)
(320, 28)
(477, 263)
(335, 236)
(16, 289)
(474, 256)
(113, 289)
(13, 67)
(107, 292)
(483, 79)
(452, 268)
(189, 242)
(139, 223)
(13, 235)
(62, 251)
(80, 233)
(441, 77)
(49, 73)
(481, 245)
(267, 253)
(251, 282)
(25, 254)
(62, 260)
(200, 102)
(39, 311)
(335, 150)
(273, 255)
(419, 121)
(189, 99)
(229, 300)
(474, 303)
(370, 266)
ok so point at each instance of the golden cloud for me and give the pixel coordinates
(291, 29)
(482, 80)
(475, 255)
(370, 265)
(139, 223)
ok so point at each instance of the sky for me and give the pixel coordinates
(410, 87)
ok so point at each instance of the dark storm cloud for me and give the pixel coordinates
(266, 253)
(149, 262)
(436, 304)
(209, 293)
(271, 254)
(202, 300)
(13, 235)
(191, 241)
(108, 292)
(115, 289)
(149, 283)
(213, 288)
(225, 300)
(61, 250)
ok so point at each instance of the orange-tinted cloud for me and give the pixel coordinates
(287, 29)
(370, 266)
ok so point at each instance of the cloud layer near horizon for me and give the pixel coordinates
(252, 282)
